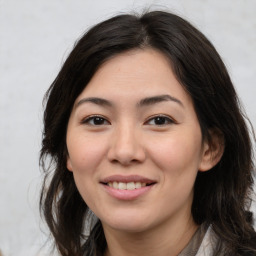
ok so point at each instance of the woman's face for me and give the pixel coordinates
(135, 144)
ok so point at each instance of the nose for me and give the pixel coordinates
(126, 146)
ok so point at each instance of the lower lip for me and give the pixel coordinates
(127, 194)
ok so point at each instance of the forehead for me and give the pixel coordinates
(134, 75)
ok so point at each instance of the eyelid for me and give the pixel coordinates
(170, 119)
(87, 119)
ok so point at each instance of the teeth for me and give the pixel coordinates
(130, 186)
(138, 185)
(115, 185)
(126, 186)
(122, 186)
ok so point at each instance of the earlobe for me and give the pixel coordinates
(69, 165)
(213, 150)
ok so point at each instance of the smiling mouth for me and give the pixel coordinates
(128, 185)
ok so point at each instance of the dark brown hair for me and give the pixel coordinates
(221, 195)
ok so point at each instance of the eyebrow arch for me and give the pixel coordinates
(159, 98)
(94, 100)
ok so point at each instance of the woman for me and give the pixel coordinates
(143, 129)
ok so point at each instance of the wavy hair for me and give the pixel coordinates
(222, 195)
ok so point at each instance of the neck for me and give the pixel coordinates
(168, 239)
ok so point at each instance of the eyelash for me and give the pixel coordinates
(164, 120)
(94, 118)
(167, 120)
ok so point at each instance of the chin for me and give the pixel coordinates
(129, 227)
(128, 223)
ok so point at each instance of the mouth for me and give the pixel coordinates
(128, 186)
(127, 182)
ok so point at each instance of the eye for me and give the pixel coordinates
(95, 120)
(160, 120)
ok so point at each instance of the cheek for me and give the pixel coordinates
(85, 153)
(177, 153)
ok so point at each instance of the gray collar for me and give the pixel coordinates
(196, 242)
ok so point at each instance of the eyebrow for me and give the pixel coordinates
(144, 102)
(159, 98)
(95, 100)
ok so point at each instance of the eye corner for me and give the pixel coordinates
(95, 120)
(160, 120)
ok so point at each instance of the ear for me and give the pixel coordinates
(69, 164)
(213, 149)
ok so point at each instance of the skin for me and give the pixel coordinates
(128, 139)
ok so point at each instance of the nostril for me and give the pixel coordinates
(126, 152)
(126, 161)
(114, 161)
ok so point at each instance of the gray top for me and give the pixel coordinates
(203, 243)
(193, 246)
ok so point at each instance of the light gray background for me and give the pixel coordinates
(35, 38)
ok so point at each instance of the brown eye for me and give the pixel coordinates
(160, 121)
(96, 121)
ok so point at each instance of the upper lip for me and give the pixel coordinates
(126, 179)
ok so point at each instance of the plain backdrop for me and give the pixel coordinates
(35, 38)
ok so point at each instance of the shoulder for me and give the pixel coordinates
(208, 244)
(211, 246)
